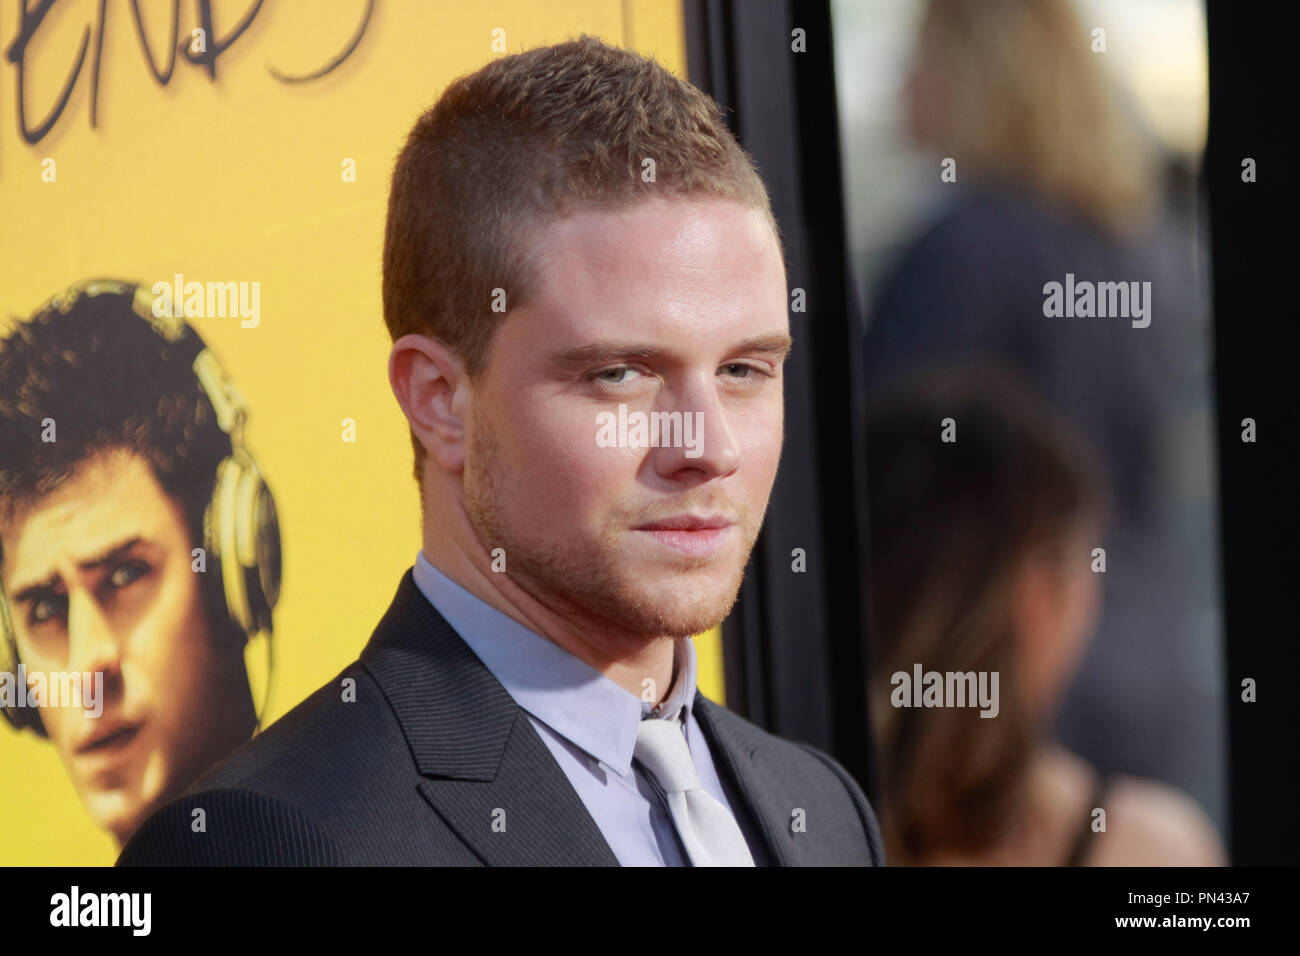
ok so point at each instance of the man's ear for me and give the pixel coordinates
(430, 384)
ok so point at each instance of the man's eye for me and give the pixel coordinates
(127, 572)
(740, 370)
(46, 608)
(614, 376)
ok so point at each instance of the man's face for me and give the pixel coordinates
(669, 306)
(99, 580)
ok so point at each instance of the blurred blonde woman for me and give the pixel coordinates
(1013, 91)
(981, 561)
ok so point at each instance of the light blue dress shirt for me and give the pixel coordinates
(588, 722)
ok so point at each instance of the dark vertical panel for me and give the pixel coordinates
(838, 389)
(1253, 109)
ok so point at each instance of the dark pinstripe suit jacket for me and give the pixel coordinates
(433, 751)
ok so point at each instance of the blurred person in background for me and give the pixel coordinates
(982, 561)
(1053, 181)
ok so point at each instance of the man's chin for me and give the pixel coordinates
(674, 605)
(121, 810)
(666, 624)
(113, 811)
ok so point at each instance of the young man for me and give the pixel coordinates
(111, 449)
(586, 292)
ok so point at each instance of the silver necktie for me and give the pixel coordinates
(709, 832)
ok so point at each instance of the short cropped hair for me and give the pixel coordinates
(526, 140)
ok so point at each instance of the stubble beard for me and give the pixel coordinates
(588, 582)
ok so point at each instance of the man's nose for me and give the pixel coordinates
(702, 442)
(92, 645)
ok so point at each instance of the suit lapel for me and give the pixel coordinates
(762, 791)
(528, 815)
(487, 772)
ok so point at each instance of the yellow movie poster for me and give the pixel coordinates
(201, 460)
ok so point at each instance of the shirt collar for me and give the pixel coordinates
(561, 690)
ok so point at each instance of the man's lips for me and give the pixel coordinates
(687, 523)
(697, 536)
(109, 739)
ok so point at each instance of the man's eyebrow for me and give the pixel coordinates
(107, 556)
(32, 591)
(778, 345)
(602, 352)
